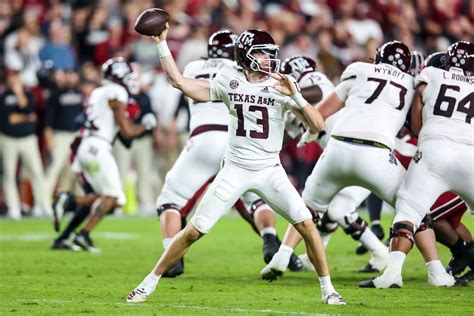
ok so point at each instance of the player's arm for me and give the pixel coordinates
(310, 117)
(303, 110)
(196, 89)
(330, 105)
(417, 109)
(127, 128)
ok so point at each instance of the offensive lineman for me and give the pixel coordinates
(257, 99)
(342, 208)
(442, 112)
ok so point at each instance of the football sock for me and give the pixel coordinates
(325, 237)
(326, 285)
(370, 241)
(166, 242)
(395, 264)
(151, 281)
(459, 246)
(435, 267)
(374, 204)
(268, 230)
(79, 216)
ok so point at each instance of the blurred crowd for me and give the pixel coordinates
(51, 53)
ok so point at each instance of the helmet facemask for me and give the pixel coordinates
(264, 65)
(132, 83)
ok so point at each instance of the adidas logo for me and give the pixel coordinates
(265, 90)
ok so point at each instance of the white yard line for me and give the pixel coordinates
(180, 306)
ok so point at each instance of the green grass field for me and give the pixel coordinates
(222, 276)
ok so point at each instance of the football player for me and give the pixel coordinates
(197, 166)
(342, 209)
(441, 113)
(107, 117)
(375, 98)
(257, 98)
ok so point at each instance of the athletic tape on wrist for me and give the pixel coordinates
(299, 100)
(163, 49)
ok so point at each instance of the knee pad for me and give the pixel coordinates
(167, 206)
(397, 231)
(355, 227)
(426, 223)
(202, 224)
(325, 225)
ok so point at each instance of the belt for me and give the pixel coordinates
(361, 141)
(207, 128)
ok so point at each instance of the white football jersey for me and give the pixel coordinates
(377, 99)
(203, 113)
(317, 78)
(256, 112)
(100, 113)
(448, 105)
(307, 80)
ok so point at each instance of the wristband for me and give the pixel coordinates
(299, 100)
(163, 49)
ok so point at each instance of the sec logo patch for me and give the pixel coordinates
(234, 84)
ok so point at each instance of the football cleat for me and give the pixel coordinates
(176, 269)
(275, 268)
(467, 277)
(64, 244)
(368, 269)
(379, 283)
(61, 204)
(271, 243)
(295, 263)
(85, 242)
(460, 261)
(138, 295)
(334, 299)
(441, 279)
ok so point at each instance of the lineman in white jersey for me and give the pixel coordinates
(342, 209)
(376, 98)
(443, 111)
(200, 159)
(106, 116)
(257, 99)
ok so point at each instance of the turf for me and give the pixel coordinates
(222, 276)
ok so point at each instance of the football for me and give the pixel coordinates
(152, 22)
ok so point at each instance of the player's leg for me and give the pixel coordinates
(222, 194)
(101, 172)
(418, 192)
(425, 241)
(185, 183)
(374, 206)
(343, 210)
(285, 200)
